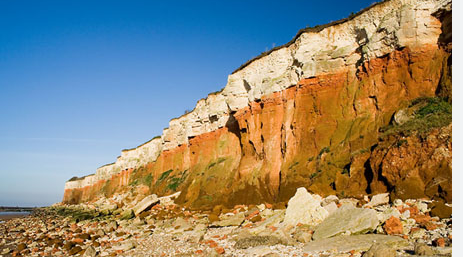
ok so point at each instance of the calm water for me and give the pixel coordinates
(14, 213)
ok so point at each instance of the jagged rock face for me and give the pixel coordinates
(414, 166)
(298, 117)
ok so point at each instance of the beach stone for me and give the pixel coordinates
(349, 201)
(418, 233)
(304, 208)
(21, 247)
(347, 219)
(443, 250)
(272, 221)
(329, 199)
(380, 250)
(127, 214)
(100, 232)
(253, 241)
(423, 249)
(234, 220)
(378, 199)
(440, 242)
(303, 236)
(84, 236)
(422, 207)
(393, 226)
(145, 204)
(355, 242)
(90, 252)
(75, 250)
(213, 217)
(388, 213)
(181, 224)
(398, 202)
(125, 246)
(168, 199)
(111, 226)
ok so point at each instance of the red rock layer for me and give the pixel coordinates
(306, 135)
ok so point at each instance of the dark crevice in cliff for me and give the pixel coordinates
(383, 179)
(368, 173)
(362, 40)
(444, 88)
(283, 142)
(233, 127)
(445, 17)
(255, 150)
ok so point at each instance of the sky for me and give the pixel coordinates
(82, 80)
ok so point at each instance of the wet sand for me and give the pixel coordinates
(8, 216)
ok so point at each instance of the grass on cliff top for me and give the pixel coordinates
(435, 113)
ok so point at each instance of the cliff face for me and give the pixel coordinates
(307, 114)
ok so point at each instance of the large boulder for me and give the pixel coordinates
(305, 208)
(347, 220)
(146, 203)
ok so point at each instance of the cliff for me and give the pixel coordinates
(311, 113)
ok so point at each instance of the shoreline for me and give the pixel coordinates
(13, 215)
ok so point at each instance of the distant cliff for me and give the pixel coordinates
(311, 113)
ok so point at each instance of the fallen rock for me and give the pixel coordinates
(304, 208)
(254, 241)
(347, 220)
(423, 249)
(125, 246)
(441, 210)
(270, 222)
(181, 224)
(90, 252)
(330, 199)
(303, 236)
(443, 250)
(355, 242)
(331, 207)
(262, 250)
(127, 214)
(393, 226)
(213, 217)
(417, 233)
(388, 213)
(146, 204)
(234, 220)
(75, 250)
(440, 242)
(21, 247)
(378, 199)
(168, 199)
(380, 250)
(349, 201)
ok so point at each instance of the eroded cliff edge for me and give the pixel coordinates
(311, 113)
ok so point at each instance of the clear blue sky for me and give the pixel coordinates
(81, 80)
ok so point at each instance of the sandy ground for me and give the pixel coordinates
(5, 217)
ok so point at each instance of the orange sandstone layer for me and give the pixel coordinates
(306, 135)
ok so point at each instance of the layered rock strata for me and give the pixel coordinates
(299, 115)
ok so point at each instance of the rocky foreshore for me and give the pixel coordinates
(308, 225)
